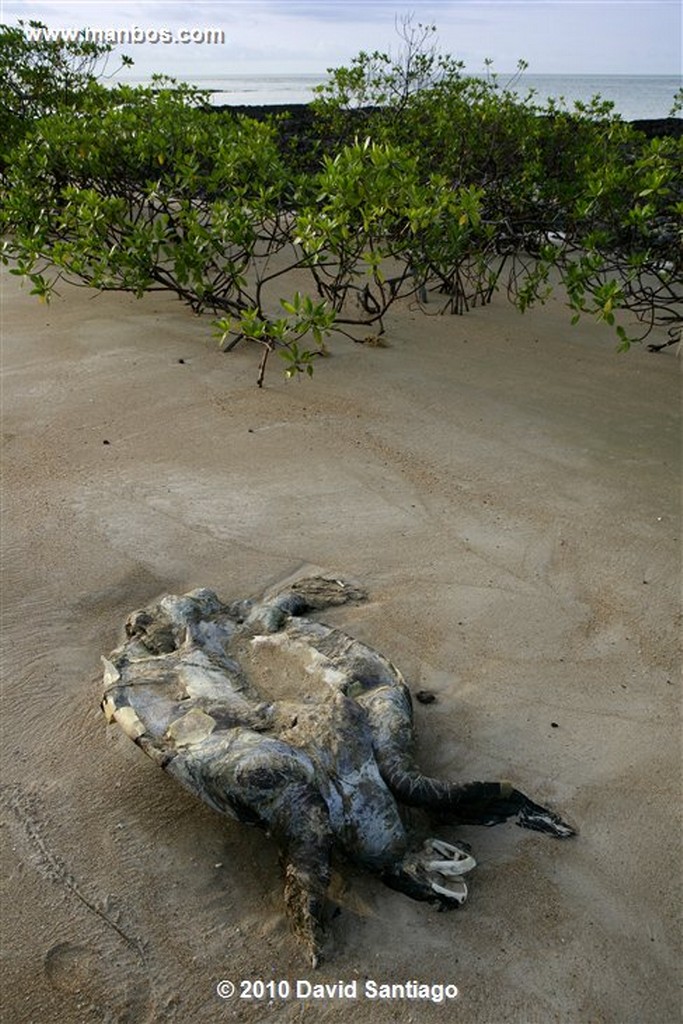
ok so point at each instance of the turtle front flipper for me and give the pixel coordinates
(490, 803)
(390, 716)
(540, 819)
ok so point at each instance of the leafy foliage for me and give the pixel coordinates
(570, 197)
(454, 187)
(40, 75)
(147, 189)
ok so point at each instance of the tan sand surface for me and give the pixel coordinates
(506, 488)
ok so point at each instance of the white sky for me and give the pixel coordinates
(308, 36)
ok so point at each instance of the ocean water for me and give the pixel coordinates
(634, 96)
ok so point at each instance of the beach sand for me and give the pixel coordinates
(506, 488)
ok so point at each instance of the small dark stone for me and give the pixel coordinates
(106, 442)
(182, 362)
(425, 696)
(554, 725)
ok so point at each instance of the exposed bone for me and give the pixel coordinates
(460, 895)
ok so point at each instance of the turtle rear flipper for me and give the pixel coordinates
(316, 592)
(305, 900)
(309, 594)
(263, 782)
(433, 874)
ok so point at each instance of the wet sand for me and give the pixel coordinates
(506, 488)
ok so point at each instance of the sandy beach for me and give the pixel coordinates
(506, 488)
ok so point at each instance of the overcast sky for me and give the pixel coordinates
(297, 36)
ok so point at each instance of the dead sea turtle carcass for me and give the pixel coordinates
(327, 764)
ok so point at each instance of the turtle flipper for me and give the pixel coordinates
(390, 716)
(307, 876)
(432, 874)
(481, 803)
(490, 803)
(303, 832)
(540, 819)
(309, 594)
(312, 593)
(263, 781)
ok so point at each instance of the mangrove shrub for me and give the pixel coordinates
(417, 181)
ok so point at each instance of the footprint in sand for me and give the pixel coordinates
(107, 985)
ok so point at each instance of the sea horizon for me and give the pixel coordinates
(635, 97)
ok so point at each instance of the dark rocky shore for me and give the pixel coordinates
(661, 127)
(297, 118)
